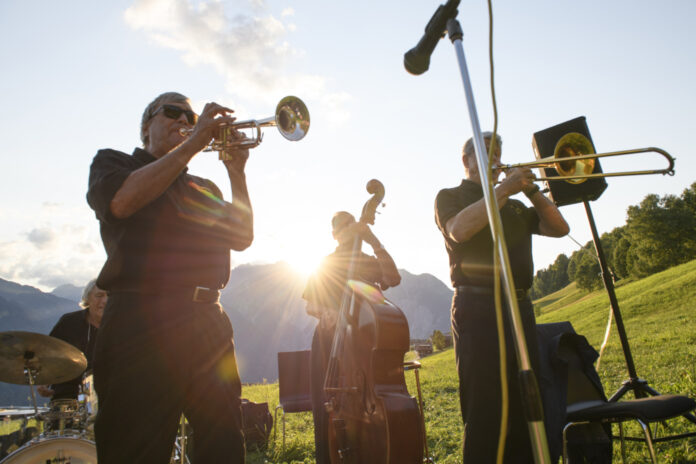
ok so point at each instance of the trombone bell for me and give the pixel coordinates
(572, 145)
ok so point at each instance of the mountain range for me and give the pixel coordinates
(263, 301)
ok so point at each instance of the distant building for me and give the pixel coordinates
(423, 349)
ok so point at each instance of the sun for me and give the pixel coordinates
(305, 262)
(307, 252)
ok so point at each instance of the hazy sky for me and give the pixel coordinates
(77, 75)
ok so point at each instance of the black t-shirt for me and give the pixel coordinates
(74, 329)
(471, 262)
(177, 240)
(325, 287)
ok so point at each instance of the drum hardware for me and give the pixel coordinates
(291, 118)
(48, 359)
(58, 449)
(28, 358)
(180, 453)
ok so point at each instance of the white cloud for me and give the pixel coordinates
(42, 238)
(62, 249)
(251, 49)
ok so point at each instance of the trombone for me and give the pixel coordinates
(291, 118)
(574, 160)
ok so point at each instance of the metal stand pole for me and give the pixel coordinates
(528, 384)
(640, 387)
(30, 377)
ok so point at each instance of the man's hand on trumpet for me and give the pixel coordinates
(236, 157)
(211, 119)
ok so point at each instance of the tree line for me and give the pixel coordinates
(659, 233)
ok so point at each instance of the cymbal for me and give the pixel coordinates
(52, 360)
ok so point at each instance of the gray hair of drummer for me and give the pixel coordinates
(468, 149)
(89, 288)
(149, 113)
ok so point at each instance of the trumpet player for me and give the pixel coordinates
(165, 345)
(461, 216)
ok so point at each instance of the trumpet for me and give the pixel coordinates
(574, 160)
(291, 118)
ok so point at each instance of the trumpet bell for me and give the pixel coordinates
(573, 144)
(292, 118)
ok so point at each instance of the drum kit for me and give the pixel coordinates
(66, 426)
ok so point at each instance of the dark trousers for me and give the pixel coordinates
(158, 357)
(321, 350)
(476, 349)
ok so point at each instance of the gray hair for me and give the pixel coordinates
(91, 285)
(149, 113)
(468, 149)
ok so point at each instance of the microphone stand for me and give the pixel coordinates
(417, 61)
(528, 384)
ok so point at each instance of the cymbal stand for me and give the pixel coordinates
(30, 374)
(179, 454)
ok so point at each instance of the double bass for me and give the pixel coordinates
(372, 417)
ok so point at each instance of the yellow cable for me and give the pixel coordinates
(504, 394)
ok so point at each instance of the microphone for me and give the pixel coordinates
(417, 59)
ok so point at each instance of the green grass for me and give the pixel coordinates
(658, 314)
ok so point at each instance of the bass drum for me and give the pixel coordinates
(71, 450)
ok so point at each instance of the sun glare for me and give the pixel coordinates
(304, 262)
(306, 254)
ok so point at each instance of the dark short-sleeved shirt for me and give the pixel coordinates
(471, 262)
(74, 329)
(177, 240)
(325, 287)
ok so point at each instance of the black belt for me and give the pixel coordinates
(521, 293)
(195, 294)
(205, 295)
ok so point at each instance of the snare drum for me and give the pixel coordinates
(73, 450)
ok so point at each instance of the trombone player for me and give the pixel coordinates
(461, 216)
(165, 345)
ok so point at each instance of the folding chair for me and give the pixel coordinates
(586, 404)
(293, 385)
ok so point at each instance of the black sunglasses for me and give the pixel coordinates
(174, 112)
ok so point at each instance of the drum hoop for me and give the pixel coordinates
(85, 447)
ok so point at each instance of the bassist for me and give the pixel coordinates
(323, 295)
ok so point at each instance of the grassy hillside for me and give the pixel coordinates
(658, 315)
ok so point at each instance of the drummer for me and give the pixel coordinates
(79, 328)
